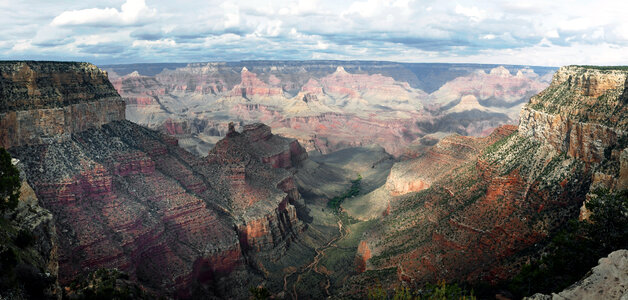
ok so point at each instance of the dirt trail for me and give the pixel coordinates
(313, 266)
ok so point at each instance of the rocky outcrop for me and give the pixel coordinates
(582, 140)
(30, 248)
(607, 280)
(31, 85)
(250, 86)
(127, 197)
(266, 218)
(47, 102)
(581, 113)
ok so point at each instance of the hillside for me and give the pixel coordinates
(500, 198)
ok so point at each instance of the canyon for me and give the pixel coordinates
(326, 105)
(129, 198)
(477, 207)
(434, 181)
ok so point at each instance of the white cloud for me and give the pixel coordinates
(553, 34)
(322, 45)
(488, 37)
(231, 14)
(300, 7)
(131, 12)
(121, 31)
(271, 28)
(366, 8)
(157, 43)
(22, 45)
(473, 13)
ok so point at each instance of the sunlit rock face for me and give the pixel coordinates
(127, 197)
(582, 112)
(328, 105)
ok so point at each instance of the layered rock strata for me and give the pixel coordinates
(127, 197)
(480, 222)
(47, 102)
(583, 112)
(328, 106)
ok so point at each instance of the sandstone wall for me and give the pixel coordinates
(47, 125)
(44, 102)
(581, 113)
(586, 141)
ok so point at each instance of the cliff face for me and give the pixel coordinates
(127, 197)
(47, 102)
(582, 112)
(30, 249)
(506, 194)
(263, 194)
(327, 106)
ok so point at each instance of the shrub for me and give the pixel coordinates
(9, 182)
(575, 249)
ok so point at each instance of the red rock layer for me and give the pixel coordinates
(275, 222)
(439, 161)
(126, 197)
(362, 256)
(473, 224)
(251, 86)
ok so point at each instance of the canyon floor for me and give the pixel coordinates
(323, 258)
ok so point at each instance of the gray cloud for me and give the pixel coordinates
(122, 31)
(109, 48)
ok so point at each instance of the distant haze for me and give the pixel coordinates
(134, 31)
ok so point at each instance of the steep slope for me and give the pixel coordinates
(127, 197)
(29, 249)
(607, 280)
(495, 207)
(327, 105)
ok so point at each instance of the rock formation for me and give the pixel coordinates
(29, 248)
(43, 104)
(327, 106)
(582, 112)
(439, 161)
(608, 280)
(501, 196)
(127, 197)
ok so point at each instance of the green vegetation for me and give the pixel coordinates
(605, 68)
(440, 291)
(105, 284)
(492, 148)
(259, 293)
(574, 250)
(566, 99)
(9, 182)
(335, 202)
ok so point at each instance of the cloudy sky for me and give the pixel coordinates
(533, 32)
